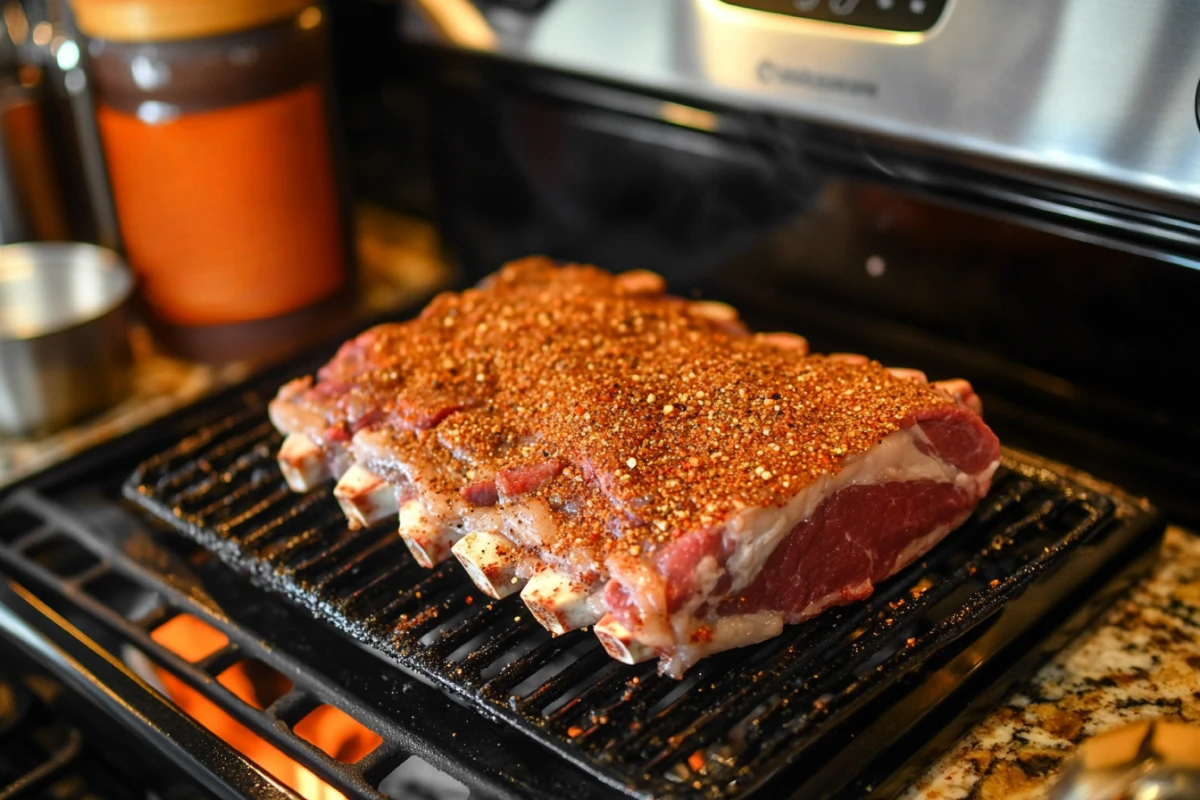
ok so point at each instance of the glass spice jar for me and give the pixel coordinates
(213, 117)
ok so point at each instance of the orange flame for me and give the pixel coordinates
(257, 685)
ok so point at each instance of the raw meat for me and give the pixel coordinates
(637, 462)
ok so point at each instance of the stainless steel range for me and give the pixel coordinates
(1098, 90)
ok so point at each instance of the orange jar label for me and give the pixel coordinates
(229, 215)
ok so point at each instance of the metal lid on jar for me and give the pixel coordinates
(167, 20)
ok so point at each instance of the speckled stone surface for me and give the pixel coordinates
(1141, 661)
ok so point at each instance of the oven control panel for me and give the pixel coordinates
(1098, 89)
(907, 16)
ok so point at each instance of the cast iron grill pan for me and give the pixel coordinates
(816, 710)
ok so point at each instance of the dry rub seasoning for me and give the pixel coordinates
(213, 119)
(685, 423)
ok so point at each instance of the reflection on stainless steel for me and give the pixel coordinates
(459, 23)
(1104, 89)
(56, 157)
(64, 348)
(1151, 760)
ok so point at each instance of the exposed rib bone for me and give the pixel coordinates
(641, 281)
(427, 542)
(619, 642)
(786, 341)
(491, 561)
(904, 373)
(301, 463)
(559, 603)
(365, 497)
(961, 392)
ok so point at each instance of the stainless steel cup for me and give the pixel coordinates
(64, 338)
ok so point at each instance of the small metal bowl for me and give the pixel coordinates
(64, 337)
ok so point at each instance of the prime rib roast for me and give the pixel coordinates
(636, 462)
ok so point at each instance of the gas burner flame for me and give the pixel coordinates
(257, 685)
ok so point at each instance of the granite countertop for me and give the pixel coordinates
(1140, 661)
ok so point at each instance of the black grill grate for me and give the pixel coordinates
(738, 719)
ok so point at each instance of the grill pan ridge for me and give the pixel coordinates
(805, 713)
